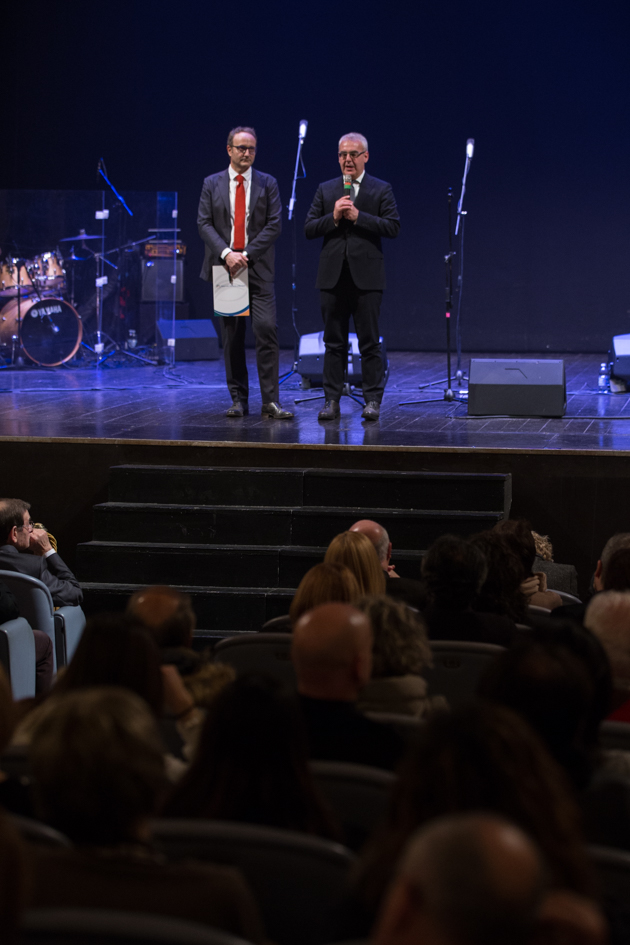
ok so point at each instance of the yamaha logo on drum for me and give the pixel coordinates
(46, 310)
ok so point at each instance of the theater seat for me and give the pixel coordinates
(17, 655)
(40, 834)
(298, 880)
(457, 668)
(357, 794)
(268, 653)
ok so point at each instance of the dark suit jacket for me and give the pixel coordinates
(359, 242)
(57, 576)
(263, 228)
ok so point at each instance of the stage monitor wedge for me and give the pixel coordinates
(516, 387)
(620, 357)
(195, 339)
(310, 363)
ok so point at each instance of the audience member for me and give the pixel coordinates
(99, 774)
(501, 591)
(169, 617)
(405, 589)
(323, 584)
(616, 577)
(251, 763)
(400, 653)
(608, 617)
(477, 757)
(454, 571)
(332, 654)
(560, 577)
(13, 881)
(614, 544)
(476, 879)
(27, 550)
(519, 537)
(356, 552)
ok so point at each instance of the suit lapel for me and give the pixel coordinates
(364, 191)
(255, 194)
(224, 190)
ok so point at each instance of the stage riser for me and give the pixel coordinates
(243, 526)
(294, 488)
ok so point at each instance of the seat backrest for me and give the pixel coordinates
(17, 655)
(110, 927)
(613, 870)
(40, 834)
(34, 602)
(357, 794)
(297, 879)
(457, 668)
(566, 597)
(268, 653)
(407, 726)
(615, 735)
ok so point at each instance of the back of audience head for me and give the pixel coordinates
(480, 757)
(400, 644)
(454, 571)
(331, 650)
(166, 613)
(98, 765)
(608, 617)
(115, 652)
(544, 548)
(324, 584)
(518, 535)
(467, 879)
(616, 576)
(615, 543)
(378, 536)
(251, 762)
(501, 591)
(546, 678)
(356, 551)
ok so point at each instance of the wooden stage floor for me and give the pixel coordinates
(118, 402)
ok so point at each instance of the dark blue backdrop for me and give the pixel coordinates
(543, 87)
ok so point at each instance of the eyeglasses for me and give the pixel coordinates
(351, 154)
(243, 148)
(29, 525)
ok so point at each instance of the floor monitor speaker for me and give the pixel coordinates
(195, 339)
(310, 363)
(516, 387)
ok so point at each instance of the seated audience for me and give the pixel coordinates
(251, 763)
(501, 591)
(356, 552)
(477, 757)
(405, 589)
(323, 584)
(400, 652)
(455, 571)
(331, 649)
(169, 617)
(616, 543)
(519, 537)
(608, 617)
(99, 774)
(616, 577)
(560, 577)
(476, 879)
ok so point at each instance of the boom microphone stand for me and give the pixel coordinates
(299, 165)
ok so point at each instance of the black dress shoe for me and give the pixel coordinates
(238, 409)
(371, 411)
(275, 412)
(330, 411)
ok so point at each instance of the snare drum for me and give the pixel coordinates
(51, 330)
(13, 274)
(47, 272)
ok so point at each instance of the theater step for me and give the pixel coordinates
(149, 522)
(292, 488)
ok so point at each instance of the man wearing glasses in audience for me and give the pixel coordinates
(352, 213)
(239, 219)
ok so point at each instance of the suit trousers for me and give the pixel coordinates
(262, 307)
(364, 305)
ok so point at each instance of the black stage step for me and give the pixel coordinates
(240, 540)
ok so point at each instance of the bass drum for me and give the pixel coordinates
(51, 329)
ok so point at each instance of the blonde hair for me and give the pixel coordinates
(357, 553)
(324, 584)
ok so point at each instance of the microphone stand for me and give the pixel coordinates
(299, 165)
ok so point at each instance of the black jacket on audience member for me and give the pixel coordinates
(337, 731)
(8, 605)
(469, 626)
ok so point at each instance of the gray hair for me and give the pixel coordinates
(354, 136)
(616, 543)
(608, 617)
(241, 129)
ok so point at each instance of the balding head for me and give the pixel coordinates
(164, 612)
(378, 536)
(469, 879)
(331, 651)
(614, 544)
(608, 617)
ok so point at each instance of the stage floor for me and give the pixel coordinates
(145, 403)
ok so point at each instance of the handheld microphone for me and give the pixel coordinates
(470, 148)
(303, 129)
(347, 185)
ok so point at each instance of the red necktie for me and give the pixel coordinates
(239, 214)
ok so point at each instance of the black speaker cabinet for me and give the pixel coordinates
(156, 280)
(516, 387)
(195, 339)
(620, 356)
(311, 359)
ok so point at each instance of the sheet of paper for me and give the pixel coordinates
(231, 296)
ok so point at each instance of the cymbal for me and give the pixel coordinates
(79, 238)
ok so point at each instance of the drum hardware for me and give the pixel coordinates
(79, 239)
(48, 330)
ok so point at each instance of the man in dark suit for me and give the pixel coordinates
(27, 550)
(239, 219)
(351, 274)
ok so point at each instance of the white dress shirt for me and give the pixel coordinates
(355, 186)
(247, 184)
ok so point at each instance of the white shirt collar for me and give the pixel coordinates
(247, 175)
(359, 178)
